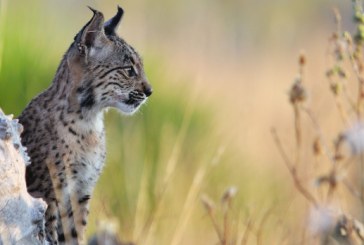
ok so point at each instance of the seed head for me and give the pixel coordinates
(354, 136)
(229, 194)
(298, 93)
(302, 59)
(335, 88)
(208, 203)
(321, 220)
(316, 147)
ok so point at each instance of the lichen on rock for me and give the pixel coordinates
(21, 215)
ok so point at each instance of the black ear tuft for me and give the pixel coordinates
(93, 10)
(113, 23)
(91, 30)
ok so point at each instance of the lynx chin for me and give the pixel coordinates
(64, 129)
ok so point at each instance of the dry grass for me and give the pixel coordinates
(335, 202)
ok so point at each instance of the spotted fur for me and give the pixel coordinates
(63, 126)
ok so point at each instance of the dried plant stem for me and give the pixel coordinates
(298, 135)
(247, 232)
(216, 227)
(332, 185)
(356, 63)
(342, 113)
(339, 100)
(141, 203)
(226, 227)
(361, 176)
(359, 64)
(351, 189)
(332, 176)
(149, 226)
(235, 228)
(354, 66)
(348, 98)
(348, 163)
(338, 57)
(189, 204)
(337, 20)
(171, 164)
(360, 98)
(355, 192)
(316, 125)
(293, 171)
(261, 225)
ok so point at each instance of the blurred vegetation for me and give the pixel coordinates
(162, 145)
(185, 141)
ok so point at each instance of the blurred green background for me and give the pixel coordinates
(220, 71)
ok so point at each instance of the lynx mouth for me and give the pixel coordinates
(132, 103)
(135, 99)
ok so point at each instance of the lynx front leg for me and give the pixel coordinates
(83, 187)
(67, 233)
(80, 202)
(61, 182)
(51, 217)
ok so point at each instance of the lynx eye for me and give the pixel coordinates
(130, 71)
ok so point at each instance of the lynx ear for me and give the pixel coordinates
(111, 25)
(92, 31)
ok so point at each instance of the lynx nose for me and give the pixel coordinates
(147, 89)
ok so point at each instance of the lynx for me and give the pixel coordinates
(64, 129)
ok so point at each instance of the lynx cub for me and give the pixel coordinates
(64, 130)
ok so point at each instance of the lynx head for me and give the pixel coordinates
(108, 71)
